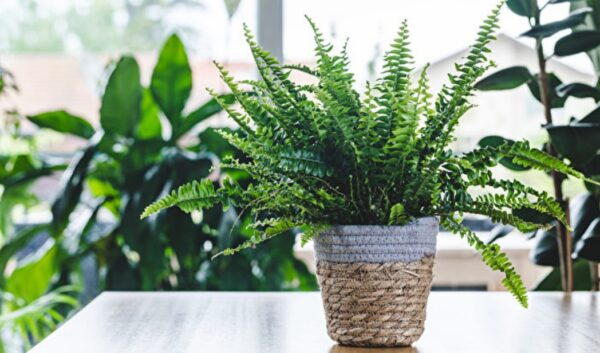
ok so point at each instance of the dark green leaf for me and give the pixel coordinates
(546, 30)
(64, 122)
(583, 210)
(577, 42)
(554, 81)
(593, 117)
(588, 247)
(577, 142)
(30, 175)
(120, 108)
(171, 82)
(578, 90)
(498, 232)
(581, 278)
(525, 8)
(545, 252)
(532, 216)
(204, 112)
(495, 141)
(508, 78)
(72, 186)
(17, 242)
(561, 1)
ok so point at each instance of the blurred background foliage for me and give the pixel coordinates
(144, 147)
(578, 142)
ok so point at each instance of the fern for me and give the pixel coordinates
(188, 197)
(322, 154)
(492, 256)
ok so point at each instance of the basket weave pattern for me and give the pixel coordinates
(375, 304)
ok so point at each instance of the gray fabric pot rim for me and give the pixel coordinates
(378, 243)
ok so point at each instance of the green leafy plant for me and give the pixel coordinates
(577, 142)
(29, 307)
(320, 154)
(134, 158)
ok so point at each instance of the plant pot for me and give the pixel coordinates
(375, 281)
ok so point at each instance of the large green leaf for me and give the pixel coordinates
(554, 82)
(204, 112)
(495, 141)
(583, 209)
(171, 82)
(33, 278)
(581, 278)
(578, 90)
(149, 126)
(592, 22)
(577, 142)
(525, 8)
(64, 122)
(588, 247)
(577, 42)
(120, 108)
(546, 30)
(508, 78)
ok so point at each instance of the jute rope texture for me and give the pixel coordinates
(375, 304)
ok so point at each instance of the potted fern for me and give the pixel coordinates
(370, 178)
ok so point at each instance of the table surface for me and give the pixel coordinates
(205, 322)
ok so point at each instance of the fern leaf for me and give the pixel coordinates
(398, 215)
(493, 257)
(188, 197)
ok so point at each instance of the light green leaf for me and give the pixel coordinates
(32, 279)
(149, 126)
(171, 82)
(64, 122)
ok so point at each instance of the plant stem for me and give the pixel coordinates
(595, 276)
(563, 236)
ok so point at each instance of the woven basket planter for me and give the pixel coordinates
(375, 281)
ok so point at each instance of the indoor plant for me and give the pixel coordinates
(129, 160)
(322, 157)
(578, 141)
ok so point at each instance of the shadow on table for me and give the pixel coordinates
(346, 349)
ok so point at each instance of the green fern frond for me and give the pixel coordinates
(272, 228)
(493, 257)
(311, 231)
(526, 156)
(398, 215)
(188, 197)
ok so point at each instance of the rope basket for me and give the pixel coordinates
(375, 282)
